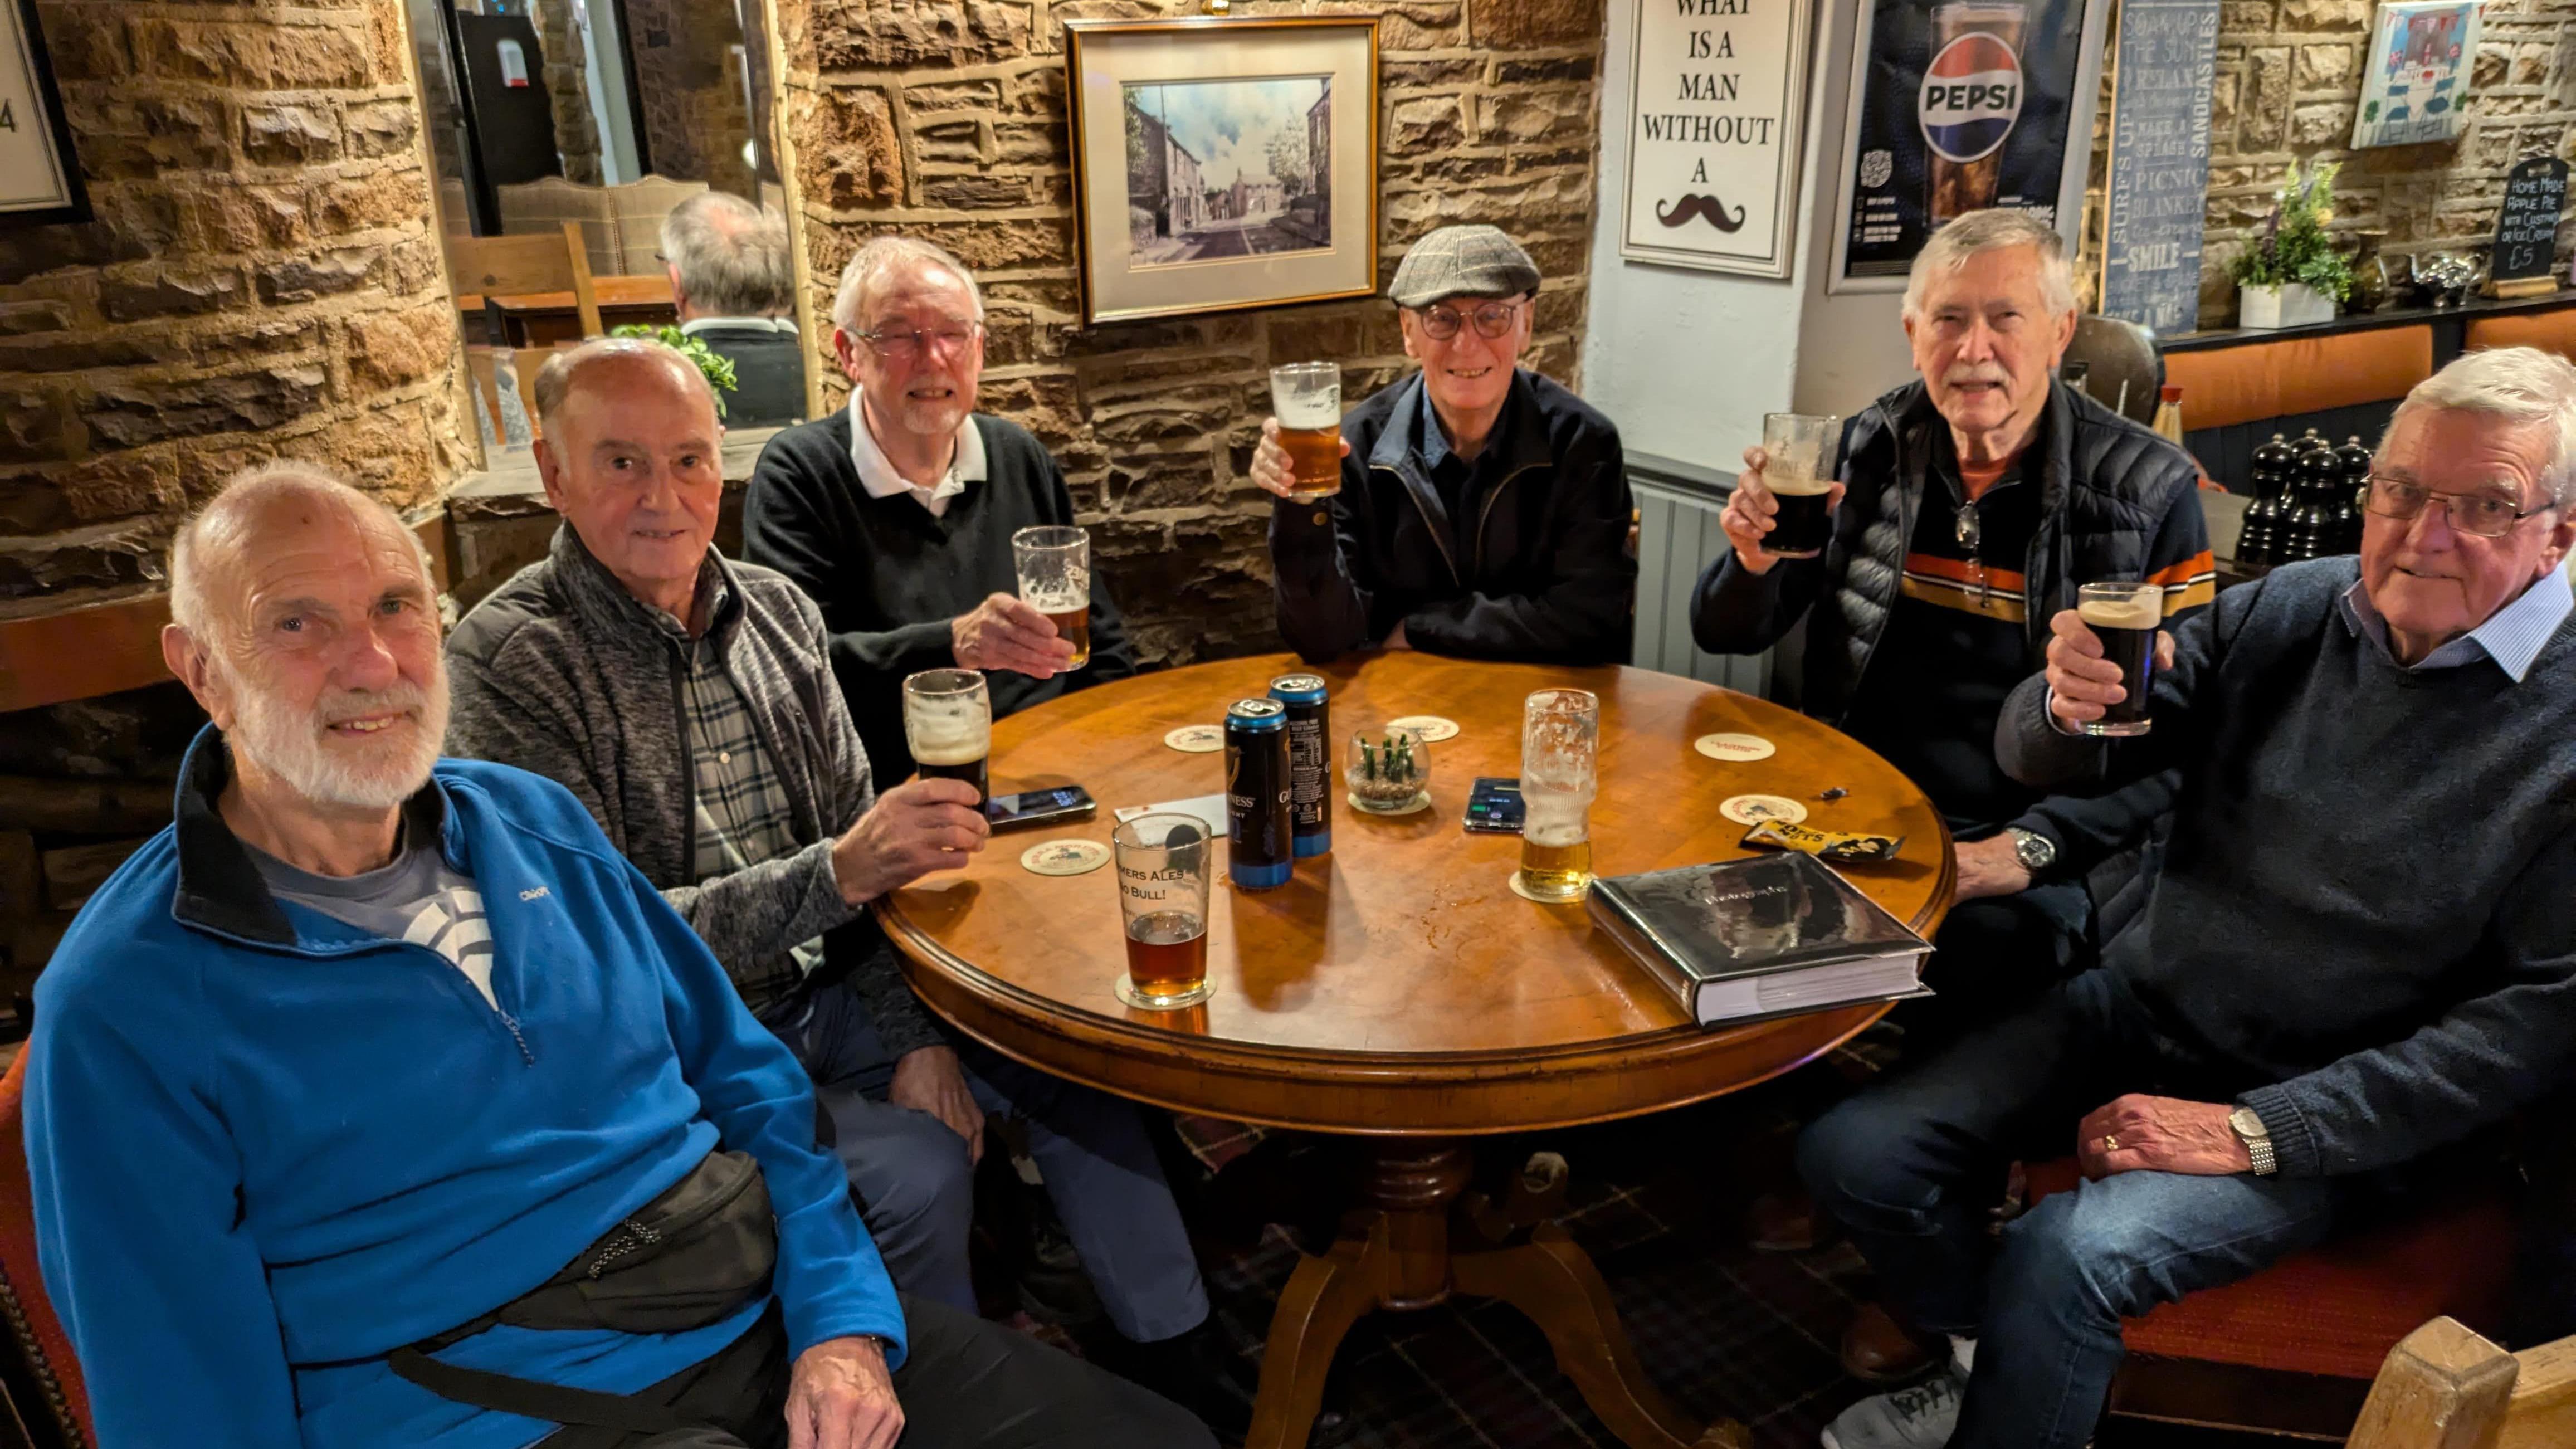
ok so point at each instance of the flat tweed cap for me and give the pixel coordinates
(1462, 261)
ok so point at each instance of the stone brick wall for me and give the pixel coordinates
(567, 81)
(263, 278)
(694, 119)
(945, 118)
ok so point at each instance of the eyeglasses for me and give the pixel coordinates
(1494, 319)
(2486, 515)
(902, 344)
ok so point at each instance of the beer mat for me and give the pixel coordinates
(1755, 809)
(1210, 809)
(1064, 857)
(1421, 801)
(1734, 748)
(1842, 847)
(1431, 729)
(1197, 739)
(1523, 892)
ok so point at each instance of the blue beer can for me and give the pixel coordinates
(1257, 791)
(1310, 761)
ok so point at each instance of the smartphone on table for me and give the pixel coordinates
(1038, 807)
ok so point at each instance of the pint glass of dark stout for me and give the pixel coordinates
(1306, 397)
(1055, 580)
(2125, 618)
(1803, 451)
(1162, 864)
(1971, 96)
(948, 724)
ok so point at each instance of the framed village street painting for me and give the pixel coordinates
(1222, 162)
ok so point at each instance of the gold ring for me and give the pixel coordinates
(2111, 1144)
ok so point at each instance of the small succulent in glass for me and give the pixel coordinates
(1389, 773)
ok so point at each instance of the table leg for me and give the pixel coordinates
(1325, 1296)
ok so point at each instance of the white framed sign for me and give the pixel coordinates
(1715, 108)
(39, 179)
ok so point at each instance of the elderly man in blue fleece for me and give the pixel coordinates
(378, 1101)
(2361, 948)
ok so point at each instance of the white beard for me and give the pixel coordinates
(293, 746)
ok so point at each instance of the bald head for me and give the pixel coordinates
(632, 458)
(264, 503)
(630, 367)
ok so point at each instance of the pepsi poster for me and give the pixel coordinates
(1962, 105)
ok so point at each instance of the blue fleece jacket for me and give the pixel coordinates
(268, 1148)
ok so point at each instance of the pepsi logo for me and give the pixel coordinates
(1971, 96)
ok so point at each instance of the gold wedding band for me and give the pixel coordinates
(2111, 1144)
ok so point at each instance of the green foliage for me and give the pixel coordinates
(717, 370)
(2294, 246)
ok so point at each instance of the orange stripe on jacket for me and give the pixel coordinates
(1960, 571)
(2191, 570)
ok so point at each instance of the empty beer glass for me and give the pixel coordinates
(1162, 864)
(1055, 580)
(948, 726)
(1560, 772)
(1799, 470)
(1307, 399)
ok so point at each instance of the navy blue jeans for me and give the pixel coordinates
(1913, 1166)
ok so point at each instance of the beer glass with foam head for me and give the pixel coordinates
(1803, 455)
(1306, 397)
(1560, 773)
(948, 725)
(2125, 618)
(1162, 863)
(1055, 580)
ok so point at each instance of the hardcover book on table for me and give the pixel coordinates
(1771, 935)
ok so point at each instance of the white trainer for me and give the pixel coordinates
(1917, 1418)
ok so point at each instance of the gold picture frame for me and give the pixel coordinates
(1197, 187)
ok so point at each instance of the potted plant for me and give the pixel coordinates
(718, 371)
(2291, 275)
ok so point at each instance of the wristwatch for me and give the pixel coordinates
(2249, 1129)
(2036, 852)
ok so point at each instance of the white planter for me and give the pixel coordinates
(2291, 304)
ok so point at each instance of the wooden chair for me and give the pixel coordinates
(2123, 368)
(42, 1379)
(2444, 1387)
(506, 266)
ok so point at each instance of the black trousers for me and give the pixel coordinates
(965, 1384)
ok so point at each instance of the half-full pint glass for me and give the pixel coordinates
(948, 726)
(1162, 863)
(1971, 97)
(1055, 580)
(1803, 451)
(2125, 618)
(1560, 755)
(1307, 399)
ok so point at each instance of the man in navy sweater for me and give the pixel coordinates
(2361, 949)
(342, 1082)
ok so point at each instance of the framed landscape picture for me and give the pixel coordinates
(1222, 163)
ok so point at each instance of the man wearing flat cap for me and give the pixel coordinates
(1484, 509)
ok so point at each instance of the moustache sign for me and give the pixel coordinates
(1703, 208)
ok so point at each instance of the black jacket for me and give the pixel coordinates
(1548, 578)
(768, 371)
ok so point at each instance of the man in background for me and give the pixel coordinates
(736, 290)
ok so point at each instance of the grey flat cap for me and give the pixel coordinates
(1462, 261)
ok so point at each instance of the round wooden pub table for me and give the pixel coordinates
(1396, 989)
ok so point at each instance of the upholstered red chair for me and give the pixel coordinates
(2292, 1350)
(37, 1369)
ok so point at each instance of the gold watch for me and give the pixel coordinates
(2249, 1129)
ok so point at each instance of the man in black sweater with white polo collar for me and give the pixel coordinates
(896, 513)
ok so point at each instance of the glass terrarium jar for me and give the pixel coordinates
(1388, 772)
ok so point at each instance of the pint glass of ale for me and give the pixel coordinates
(1162, 863)
(2125, 618)
(1803, 451)
(948, 725)
(1055, 580)
(1307, 399)
(1560, 773)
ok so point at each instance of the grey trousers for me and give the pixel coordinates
(911, 1172)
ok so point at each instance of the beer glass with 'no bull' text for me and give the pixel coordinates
(1055, 580)
(948, 726)
(1560, 764)
(1307, 399)
(2124, 617)
(1162, 864)
(1802, 457)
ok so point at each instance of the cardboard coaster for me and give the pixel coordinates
(1197, 739)
(1734, 749)
(1064, 857)
(1754, 809)
(1126, 990)
(1523, 892)
(1431, 729)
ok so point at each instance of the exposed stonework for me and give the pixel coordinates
(567, 79)
(945, 119)
(695, 123)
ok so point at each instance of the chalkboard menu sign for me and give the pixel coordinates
(2526, 239)
(2168, 52)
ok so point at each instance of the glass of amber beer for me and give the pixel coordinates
(948, 725)
(1162, 863)
(1560, 772)
(1306, 397)
(1055, 580)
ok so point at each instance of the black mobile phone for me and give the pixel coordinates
(1494, 804)
(1036, 807)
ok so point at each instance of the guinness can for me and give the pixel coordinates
(1310, 761)
(1257, 794)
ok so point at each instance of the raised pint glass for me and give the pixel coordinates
(2125, 618)
(1055, 580)
(1306, 397)
(1162, 864)
(948, 726)
(1560, 761)
(1971, 96)
(1802, 451)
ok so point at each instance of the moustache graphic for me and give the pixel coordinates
(1704, 208)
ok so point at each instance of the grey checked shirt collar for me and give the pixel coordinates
(2512, 636)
